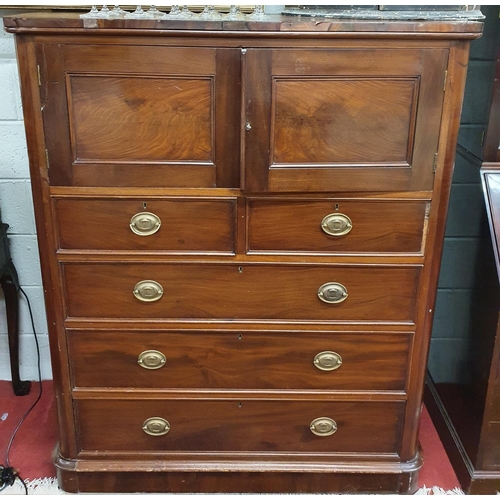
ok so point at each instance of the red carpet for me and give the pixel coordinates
(32, 450)
(437, 470)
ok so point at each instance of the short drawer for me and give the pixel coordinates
(249, 291)
(335, 226)
(239, 425)
(246, 360)
(179, 225)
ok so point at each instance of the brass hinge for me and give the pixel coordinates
(47, 158)
(482, 139)
(445, 79)
(39, 77)
(427, 209)
(434, 165)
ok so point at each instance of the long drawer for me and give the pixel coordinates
(180, 225)
(238, 425)
(246, 360)
(335, 226)
(249, 291)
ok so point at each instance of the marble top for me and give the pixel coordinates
(389, 15)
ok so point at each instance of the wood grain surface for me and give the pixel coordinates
(279, 225)
(131, 115)
(141, 119)
(245, 360)
(239, 425)
(236, 482)
(274, 26)
(343, 121)
(187, 224)
(376, 293)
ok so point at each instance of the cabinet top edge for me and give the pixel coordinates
(71, 23)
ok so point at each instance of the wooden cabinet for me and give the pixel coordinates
(240, 227)
(488, 456)
(465, 405)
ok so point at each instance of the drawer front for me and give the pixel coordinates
(176, 225)
(243, 360)
(375, 293)
(331, 226)
(239, 425)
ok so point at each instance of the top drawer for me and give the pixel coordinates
(327, 226)
(168, 224)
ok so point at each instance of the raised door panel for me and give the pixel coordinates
(343, 119)
(324, 114)
(125, 118)
(141, 116)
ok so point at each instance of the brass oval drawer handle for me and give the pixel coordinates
(145, 223)
(332, 293)
(336, 224)
(156, 426)
(148, 291)
(327, 361)
(151, 360)
(323, 426)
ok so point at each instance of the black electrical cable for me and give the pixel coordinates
(8, 475)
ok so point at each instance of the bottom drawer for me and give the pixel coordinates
(240, 425)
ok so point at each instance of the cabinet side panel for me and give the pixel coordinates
(455, 84)
(30, 91)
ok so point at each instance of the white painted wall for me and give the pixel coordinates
(16, 208)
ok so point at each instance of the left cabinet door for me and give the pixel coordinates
(140, 115)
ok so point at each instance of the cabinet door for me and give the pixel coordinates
(342, 119)
(141, 115)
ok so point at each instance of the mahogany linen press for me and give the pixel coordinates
(240, 227)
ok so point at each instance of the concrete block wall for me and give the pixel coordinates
(16, 209)
(467, 239)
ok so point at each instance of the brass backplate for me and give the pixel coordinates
(336, 224)
(327, 361)
(323, 426)
(156, 426)
(148, 291)
(151, 359)
(332, 293)
(145, 223)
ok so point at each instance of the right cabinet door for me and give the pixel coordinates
(342, 119)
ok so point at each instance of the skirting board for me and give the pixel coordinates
(473, 482)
